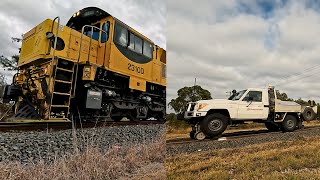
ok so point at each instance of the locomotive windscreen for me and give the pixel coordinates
(86, 16)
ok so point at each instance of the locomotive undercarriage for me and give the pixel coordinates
(109, 97)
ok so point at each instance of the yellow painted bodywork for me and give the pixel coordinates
(35, 50)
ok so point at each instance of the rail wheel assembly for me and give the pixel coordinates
(212, 125)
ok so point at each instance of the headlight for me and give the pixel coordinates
(201, 105)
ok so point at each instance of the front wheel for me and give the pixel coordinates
(289, 123)
(272, 127)
(214, 124)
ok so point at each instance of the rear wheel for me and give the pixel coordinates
(272, 127)
(214, 124)
(289, 123)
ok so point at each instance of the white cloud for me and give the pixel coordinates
(227, 47)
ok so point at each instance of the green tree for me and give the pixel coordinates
(10, 64)
(188, 94)
(283, 96)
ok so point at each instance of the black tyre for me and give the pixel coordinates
(214, 124)
(289, 123)
(308, 114)
(192, 134)
(272, 127)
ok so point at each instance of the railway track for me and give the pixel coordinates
(234, 135)
(40, 126)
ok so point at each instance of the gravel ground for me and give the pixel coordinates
(30, 147)
(174, 149)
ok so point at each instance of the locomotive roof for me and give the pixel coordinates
(91, 15)
(87, 15)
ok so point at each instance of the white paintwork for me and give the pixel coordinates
(243, 110)
(287, 106)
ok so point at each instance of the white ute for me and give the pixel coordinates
(210, 118)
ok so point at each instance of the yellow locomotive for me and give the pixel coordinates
(94, 68)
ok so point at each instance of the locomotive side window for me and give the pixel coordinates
(138, 45)
(121, 35)
(147, 49)
(105, 36)
(131, 43)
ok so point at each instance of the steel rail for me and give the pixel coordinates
(38, 126)
(234, 135)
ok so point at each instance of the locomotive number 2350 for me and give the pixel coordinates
(134, 68)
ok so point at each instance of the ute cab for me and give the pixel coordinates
(210, 118)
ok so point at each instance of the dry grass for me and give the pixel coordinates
(298, 159)
(140, 162)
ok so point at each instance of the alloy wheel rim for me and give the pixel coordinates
(215, 124)
(290, 123)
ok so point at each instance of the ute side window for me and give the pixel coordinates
(121, 35)
(255, 95)
(105, 36)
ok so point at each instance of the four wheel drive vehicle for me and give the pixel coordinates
(210, 118)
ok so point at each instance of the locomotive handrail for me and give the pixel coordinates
(80, 49)
(53, 53)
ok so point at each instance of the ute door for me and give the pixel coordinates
(251, 106)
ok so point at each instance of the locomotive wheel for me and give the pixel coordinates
(117, 118)
(199, 136)
(214, 124)
(289, 123)
(272, 127)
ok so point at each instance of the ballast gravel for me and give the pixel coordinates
(30, 147)
(197, 146)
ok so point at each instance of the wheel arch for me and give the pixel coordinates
(224, 112)
(293, 114)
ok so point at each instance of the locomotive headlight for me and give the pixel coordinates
(201, 105)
